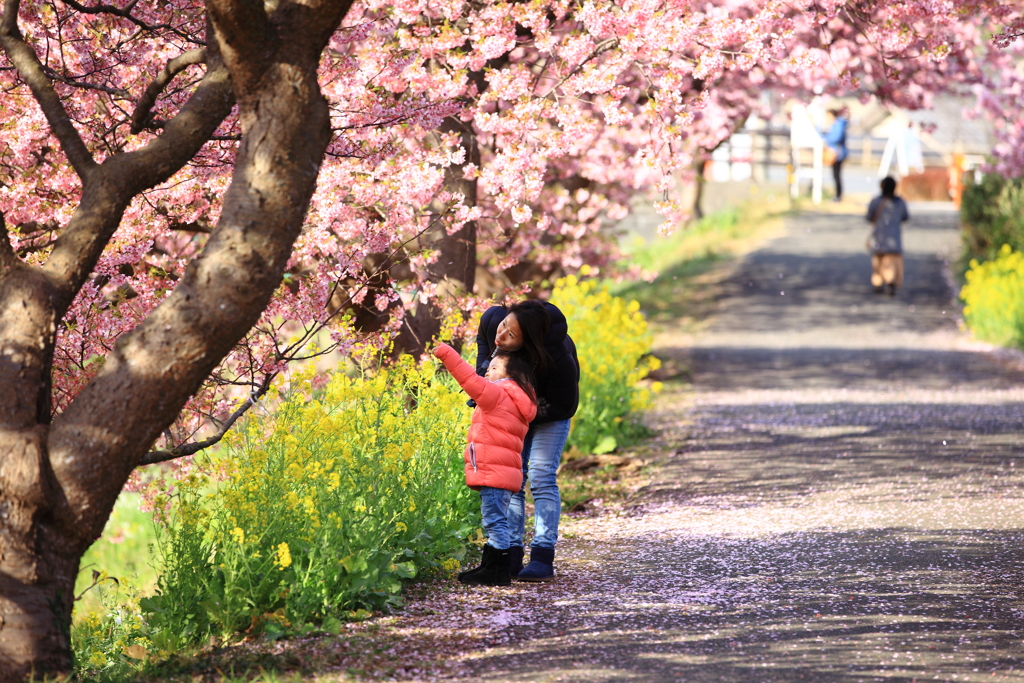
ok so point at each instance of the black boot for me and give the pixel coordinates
(541, 567)
(475, 569)
(493, 570)
(515, 553)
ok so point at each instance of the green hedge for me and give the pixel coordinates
(991, 215)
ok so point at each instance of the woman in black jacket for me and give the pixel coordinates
(540, 331)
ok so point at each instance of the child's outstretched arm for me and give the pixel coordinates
(479, 389)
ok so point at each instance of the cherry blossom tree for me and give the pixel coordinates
(194, 195)
(618, 106)
(999, 95)
(60, 473)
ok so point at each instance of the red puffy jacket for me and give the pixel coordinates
(500, 422)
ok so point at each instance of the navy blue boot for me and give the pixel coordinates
(541, 567)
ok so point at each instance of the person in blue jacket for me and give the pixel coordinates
(539, 330)
(835, 138)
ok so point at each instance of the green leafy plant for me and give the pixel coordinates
(991, 215)
(994, 298)
(614, 345)
(318, 511)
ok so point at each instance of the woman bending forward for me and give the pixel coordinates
(540, 330)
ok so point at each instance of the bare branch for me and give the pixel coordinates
(31, 70)
(24, 251)
(124, 13)
(186, 449)
(174, 67)
(74, 83)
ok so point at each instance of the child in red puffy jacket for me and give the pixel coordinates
(505, 405)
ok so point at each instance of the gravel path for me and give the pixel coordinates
(842, 500)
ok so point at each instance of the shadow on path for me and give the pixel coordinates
(845, 501)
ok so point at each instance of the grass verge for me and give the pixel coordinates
(124, 552)
(690, 261)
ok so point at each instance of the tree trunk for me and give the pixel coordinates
(59, 481)
(454, 271)
(39, 550)
(693, 192)
(38, 563)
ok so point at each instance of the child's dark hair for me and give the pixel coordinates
(535, 323)
(888, 186)
(519, 368)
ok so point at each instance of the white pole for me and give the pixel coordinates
(890, 148)
(816, 179)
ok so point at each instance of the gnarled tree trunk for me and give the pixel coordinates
(59, 477)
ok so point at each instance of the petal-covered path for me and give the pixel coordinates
(842, 499)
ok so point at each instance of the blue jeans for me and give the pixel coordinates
(542, 454)
(494, 507)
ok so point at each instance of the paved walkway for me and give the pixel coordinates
(843, 500)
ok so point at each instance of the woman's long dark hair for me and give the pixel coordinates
(535, 324)
(519, 368)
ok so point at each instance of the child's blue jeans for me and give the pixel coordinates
(494, 506)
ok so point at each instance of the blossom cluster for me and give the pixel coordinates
(531, 125)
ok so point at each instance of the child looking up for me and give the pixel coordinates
(505, 404)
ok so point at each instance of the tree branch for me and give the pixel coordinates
(125, 175)
(141, 115)
(598, 50)
(31, 70)
(8, 259)
(186, 449)
(53, 75)
(124, 13)
(246, 37)
(154, 457)
(149, 375)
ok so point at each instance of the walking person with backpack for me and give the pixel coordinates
(886, 214)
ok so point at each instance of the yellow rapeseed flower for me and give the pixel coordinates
(284, 556)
